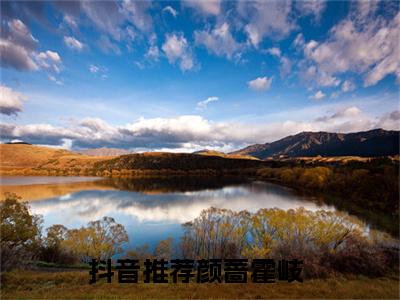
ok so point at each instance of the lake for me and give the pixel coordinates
(151, 209)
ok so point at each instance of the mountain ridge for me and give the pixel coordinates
(372, 143)
(104, 151)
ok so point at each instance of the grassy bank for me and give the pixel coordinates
(74, 285)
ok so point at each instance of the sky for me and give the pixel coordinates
(182, 76)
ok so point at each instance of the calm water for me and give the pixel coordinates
(150, 209)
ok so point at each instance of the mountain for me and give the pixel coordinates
(377, 142)
(207, 152)
(104, 152)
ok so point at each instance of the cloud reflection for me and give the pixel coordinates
(139, 208)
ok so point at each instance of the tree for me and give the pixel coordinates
(140, 253)
(108, 235)
(164, 249)
(215, 233)
(19, 231)
(55, 235)
(101, 239)
(52, 249)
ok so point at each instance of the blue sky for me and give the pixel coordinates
(188, 75)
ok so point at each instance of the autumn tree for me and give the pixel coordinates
(164, 249)
(19, 231)
(52, 249)
(141, 253)
(215, 233)
(100, 239)
(298, 232)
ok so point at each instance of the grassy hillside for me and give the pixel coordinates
(20, 158)
(224, 155)
(104, 151)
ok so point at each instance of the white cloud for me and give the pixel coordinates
(98, 71)
(203, 104)
(106, 15)
(351, 111)
(299, 42)
(137, 13)
(315, 77)
(327, 80)
(170, 10)
(49, 60)
(265, 19)
(16, 56)
(314, 8)
(17, 46)
(153, 53)
(366, 8)
(70, 21)
(108, 46)
(177, 49)
(286, 66)
(139, 64)
(18, 49)
(260, 83)
(348, 86)
(94, 69)
(55, 80)
(368, 47)
(192, 132)
(98, 128)
(285, 63)
(318, 95)
(390, 120)
(205, 7)
(11, 102)
(73, 43)
(21, 35)
(218, 41)
(274, 51)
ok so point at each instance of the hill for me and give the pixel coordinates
(21, 159)
(104, 151)
(24, 157)
(174, 162)
(207, 152)
(373, 143)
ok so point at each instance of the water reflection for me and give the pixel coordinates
(29, 180)
(175, 207)
(152, 209)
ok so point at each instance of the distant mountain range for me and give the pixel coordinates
(104, 152)
(207, 152)
(377, 142)
(372, 143)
